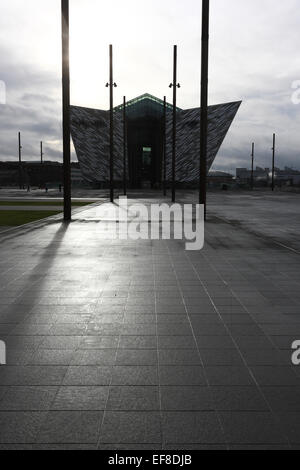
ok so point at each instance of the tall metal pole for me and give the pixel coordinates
(273, 162)
(252, 166)
(165, 148)
(124, 147)
(42, 154)
(66, 109)
(111, 85)
(204, 104)
(174, 85)
(20, 162)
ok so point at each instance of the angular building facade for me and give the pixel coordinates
(145, 141)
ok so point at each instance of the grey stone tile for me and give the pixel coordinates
(218, 357)
(260, 447)
(52, 357)
(136, 357)
(138, 330)
(88, 375)
(18, 357)
(182, 375)
(28, 398)
(215, 342)
(194, 447)
(289, 422)
(23, 343)
(133, 398)
(283, 398)
(179, 329)
(275, 376)
(81, 398)
(31, 330)
(64, 447)
(191, 428)
(267, 357)
(238, 399)
(229, 375)
(100, 357)
(252, 428)
(186, 398)
(61, 342)
(246, 330)
(253, 342)
(99, 342)
(143, 319)
(172, 357)
(209, 329)
(135, 375)
(20, 427)
(131, 428)
(70, 427)
(3, 391)
(176, 342)
(138, 342)
(32, 375)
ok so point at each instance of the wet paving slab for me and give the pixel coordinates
(115, 344)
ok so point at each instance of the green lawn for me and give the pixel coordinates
(14, 218)
(43, 203)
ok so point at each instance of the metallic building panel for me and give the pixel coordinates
(90, 133)
(220, 118)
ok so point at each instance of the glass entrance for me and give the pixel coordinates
(146, 173)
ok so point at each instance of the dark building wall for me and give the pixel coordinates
(34, 174)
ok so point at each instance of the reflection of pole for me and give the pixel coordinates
(20, 162)
(204, 103)
(252, 167)
(174, 85)
(165, 147)
(111, 85)
(273, 162)
(66, 109)
(124, 147)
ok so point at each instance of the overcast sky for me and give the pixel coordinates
(254, 57)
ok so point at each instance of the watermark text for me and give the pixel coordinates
(2, 353)
(296, 353)
(154, 221)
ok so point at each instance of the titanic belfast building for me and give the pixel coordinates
(145, 137)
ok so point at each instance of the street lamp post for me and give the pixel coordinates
(20, 162)
(111, 85)
(124, 147)
(66, 109)
(252, 166)
(164, 169)
(204, 104)
(174, 85)
(273, 162)
(42, 153)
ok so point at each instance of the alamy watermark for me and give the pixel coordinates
(296, 353)
(2, 92)
(154, 221)
(2, 353)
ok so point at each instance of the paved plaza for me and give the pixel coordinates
(119, 344)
